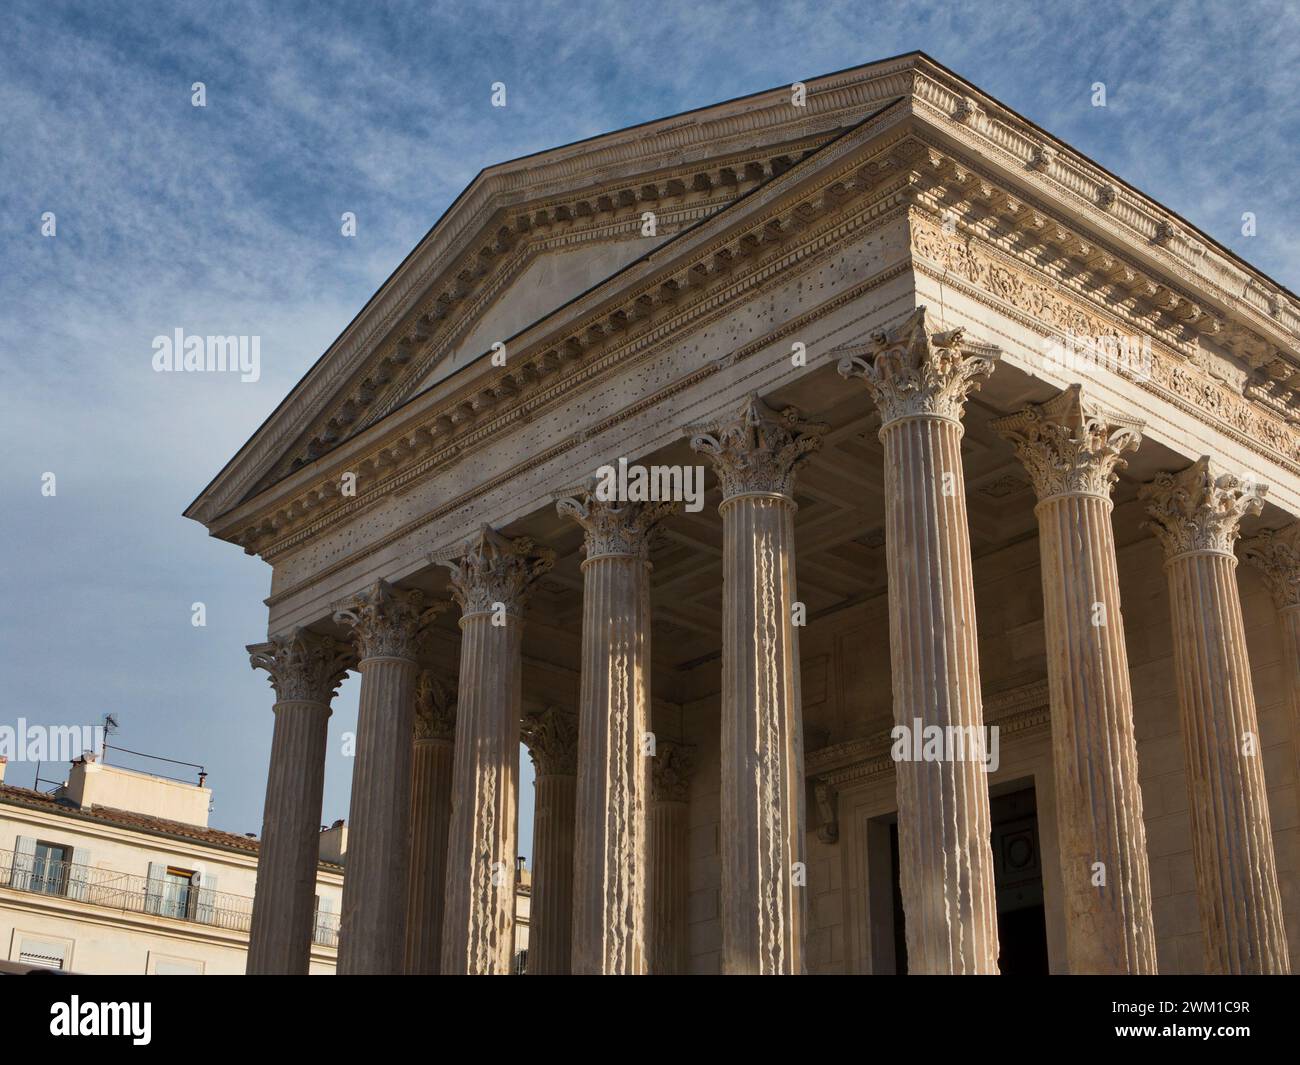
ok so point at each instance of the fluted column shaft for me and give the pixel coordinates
(1290, 617)
(609, 900)
(1196, 513)
(431, 780)
(1232, 837)
(920, 381)
(943, 805)
(1276, 555)
(386, 623)
(373, 930)
(284, 905)
(1102, 838)
(550, 916)
(669, 886)
(764, 901)
(431, 783)
(479, 919)
(1071, 449)
(763, 910)
(611, 867)
(489, 581)
(305, 670)
(669, 847)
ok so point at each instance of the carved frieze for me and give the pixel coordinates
(1162, 373)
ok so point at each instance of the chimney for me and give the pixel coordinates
(334, 843)
(4, 761)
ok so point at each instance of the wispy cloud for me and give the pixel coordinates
(225, 219)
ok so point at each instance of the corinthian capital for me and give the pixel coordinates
(912, 372)
(1199, 508)
(1277, 555)
(387, 622)
(303, 665)
(491, 569)
(614, 527)
(435, 708)
(551, 736)
(670, 771)
(757, 449)
(1070, 446)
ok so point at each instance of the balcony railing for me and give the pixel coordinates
(138, 894)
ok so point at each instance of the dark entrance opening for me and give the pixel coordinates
(1017, 876)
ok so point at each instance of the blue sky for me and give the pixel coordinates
(225, 220)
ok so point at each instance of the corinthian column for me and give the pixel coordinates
(552, 740)
(1071, 450)
(669, 848)
(610, 867)
(1197, 516)
(306, 670)
(386, 623)
(435, 733)
(755, 453)
(1277, 556)
(920, 382)
(490, 581)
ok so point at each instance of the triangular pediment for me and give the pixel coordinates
(563, 215)
(530, 239)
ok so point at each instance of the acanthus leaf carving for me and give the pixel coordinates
(303, 665)
(1069, 445)
(757, 449)
(911, 372)
(614, 527)
(551, 736)
(435, 707)
(1200, 508)
(670, 771)
(493, 571)
(387, 622)
(1276, 554)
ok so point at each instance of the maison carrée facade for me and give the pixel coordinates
(980, 654)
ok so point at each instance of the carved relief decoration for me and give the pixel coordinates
(492, 571)
(435, 707)
(387, 622)
(670, 771)
(1276, 554)
(1200, 508)
(303, 665)
(757, 449)
(1069, 445)
(912, 372)
(551, 736)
